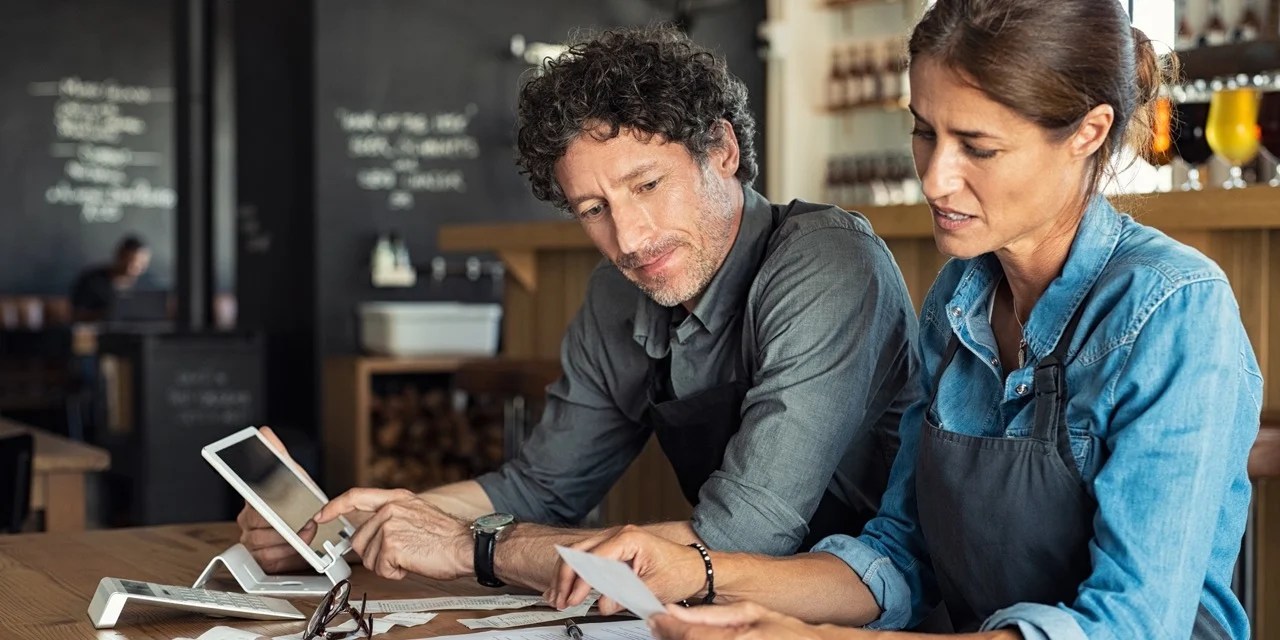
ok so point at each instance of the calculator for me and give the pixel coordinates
(113, 593)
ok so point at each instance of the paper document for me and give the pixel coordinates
(454, 603)
(614, 579)
(629, 630)
(526, 618)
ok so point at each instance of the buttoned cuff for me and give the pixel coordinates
(1036, 622)
(878, 572)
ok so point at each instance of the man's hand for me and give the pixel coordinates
(266, 545)
(672, 571)
(405, 534)
(740, 621)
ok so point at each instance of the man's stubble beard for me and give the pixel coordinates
(715, 220)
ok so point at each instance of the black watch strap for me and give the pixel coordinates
(484, 559)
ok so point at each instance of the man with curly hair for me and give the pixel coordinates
(768, 347)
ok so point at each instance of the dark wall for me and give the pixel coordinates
(86, 144)
(440, 73)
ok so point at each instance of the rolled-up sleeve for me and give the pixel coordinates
(834, 336)
(582, 444)
(1036, 622)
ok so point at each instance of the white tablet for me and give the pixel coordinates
(284, 495)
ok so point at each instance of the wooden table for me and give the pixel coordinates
(47, 580)
(58, 472)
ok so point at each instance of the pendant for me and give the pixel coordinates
(1022, 353)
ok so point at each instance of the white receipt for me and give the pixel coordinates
(629, 630)
(614, 579)
(407, 618)
(525, 618)
(454, 603)
(380, 625)
(227, 633)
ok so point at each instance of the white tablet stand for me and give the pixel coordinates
(254, 580)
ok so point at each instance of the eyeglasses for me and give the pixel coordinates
(331, 606)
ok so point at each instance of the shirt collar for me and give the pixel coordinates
(724, 296)
(1091, 249)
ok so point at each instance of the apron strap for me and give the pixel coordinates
(950, 353)
(1051, 395)
(660, 387)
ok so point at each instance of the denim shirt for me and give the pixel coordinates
(1164, 403)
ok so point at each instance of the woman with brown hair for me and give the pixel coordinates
(1079, 466)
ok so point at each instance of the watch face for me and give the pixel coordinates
(494, 521)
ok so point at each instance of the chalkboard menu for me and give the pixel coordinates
(86, 119)
(188, 391)
(415, 122)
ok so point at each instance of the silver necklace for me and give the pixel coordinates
(1022, 332)
(1022, 337)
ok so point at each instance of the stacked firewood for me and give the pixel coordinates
(424, 437)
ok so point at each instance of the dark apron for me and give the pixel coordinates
(694, 433)
(1008, 520)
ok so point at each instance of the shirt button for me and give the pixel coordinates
(995, 362)
(1022, 389)
(955, 311)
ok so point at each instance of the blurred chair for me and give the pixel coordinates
(41, 382)
(16, 454)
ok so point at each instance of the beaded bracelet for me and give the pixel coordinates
(711, 576)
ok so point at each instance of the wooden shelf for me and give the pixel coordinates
(514, 236)
(391, 364)
(1204, 63)
(878, 105)
(836, 4)
(1210, 210)
(347, 396)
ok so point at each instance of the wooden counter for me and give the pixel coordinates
(58, 472)
(48, 579)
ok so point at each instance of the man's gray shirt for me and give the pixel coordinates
(810, 304)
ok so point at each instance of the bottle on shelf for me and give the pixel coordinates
(889, 77)
(853, 92)
(901, 67)
(911, 189)
(1250, 25)
(836, 94)
(383, 259)
(831, 186)
(1186, 35)
(871, 89)
(1215, 31)
(848, 192)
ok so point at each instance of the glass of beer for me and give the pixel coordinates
(1232, 129)
(1190, 113)
(1161, 152)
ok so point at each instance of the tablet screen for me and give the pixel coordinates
(282, 490)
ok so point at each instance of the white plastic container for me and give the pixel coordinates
(430, 328)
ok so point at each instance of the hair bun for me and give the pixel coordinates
(1147, 65)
